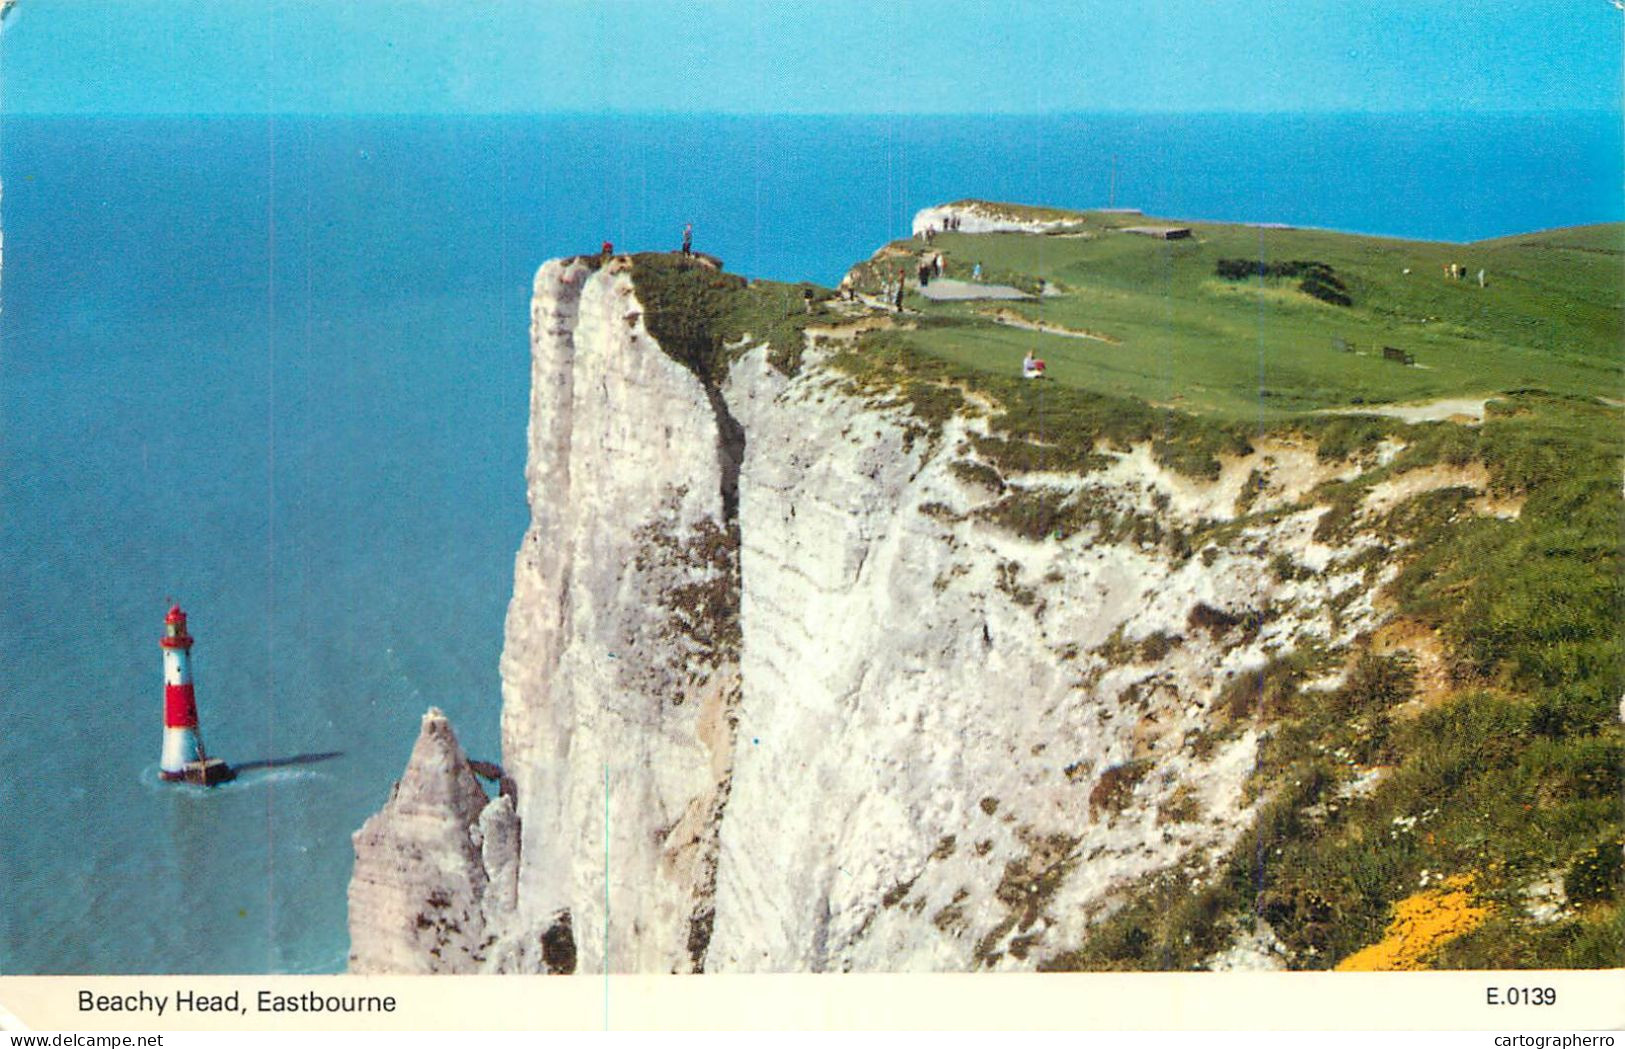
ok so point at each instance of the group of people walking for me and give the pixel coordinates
(1456, 271)
(931, 266)
(892, 289)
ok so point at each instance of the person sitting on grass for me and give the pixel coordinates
(1032, 367)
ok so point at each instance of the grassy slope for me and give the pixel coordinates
(1550, 316)
(1517, 774)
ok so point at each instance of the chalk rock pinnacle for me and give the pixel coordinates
(423, 865)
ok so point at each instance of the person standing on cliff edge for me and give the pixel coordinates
(688, 239)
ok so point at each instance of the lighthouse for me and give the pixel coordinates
(184, 758)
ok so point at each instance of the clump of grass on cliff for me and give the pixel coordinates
(696, 312)
(1038, 512)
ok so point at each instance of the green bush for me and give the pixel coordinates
(976, 473)
(1376, 683)
(1595, 873)
(1347, 436)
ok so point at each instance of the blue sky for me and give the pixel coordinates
(875, 56)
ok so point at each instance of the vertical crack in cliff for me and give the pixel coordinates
(730, 452)
(730, 458)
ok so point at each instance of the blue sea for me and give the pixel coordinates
(275, 369)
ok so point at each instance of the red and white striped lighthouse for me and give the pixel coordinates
(183, 757)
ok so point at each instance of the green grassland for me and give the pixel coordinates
(1550, 315)
(1515, 775)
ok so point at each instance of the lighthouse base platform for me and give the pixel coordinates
(205, 773)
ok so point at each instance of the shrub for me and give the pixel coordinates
(1349, 436)
(1032, 513)
(1597, 944)
(1116, 785)
(1214, 620)
(693, 310)
(1217, 622)
(975, 473)
(1314, 278)
(1300, 914)
(1283, 568)
(1595, 874)
(1154, 646)
(1271, 690)
(1183, 807)
(1377, 683)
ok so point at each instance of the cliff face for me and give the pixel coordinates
(620, 670)
(779, 693)
(961, 742)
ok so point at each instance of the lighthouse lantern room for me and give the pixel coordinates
(184, 759)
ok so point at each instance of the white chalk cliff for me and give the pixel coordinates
(776, 697)
(980, 216)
